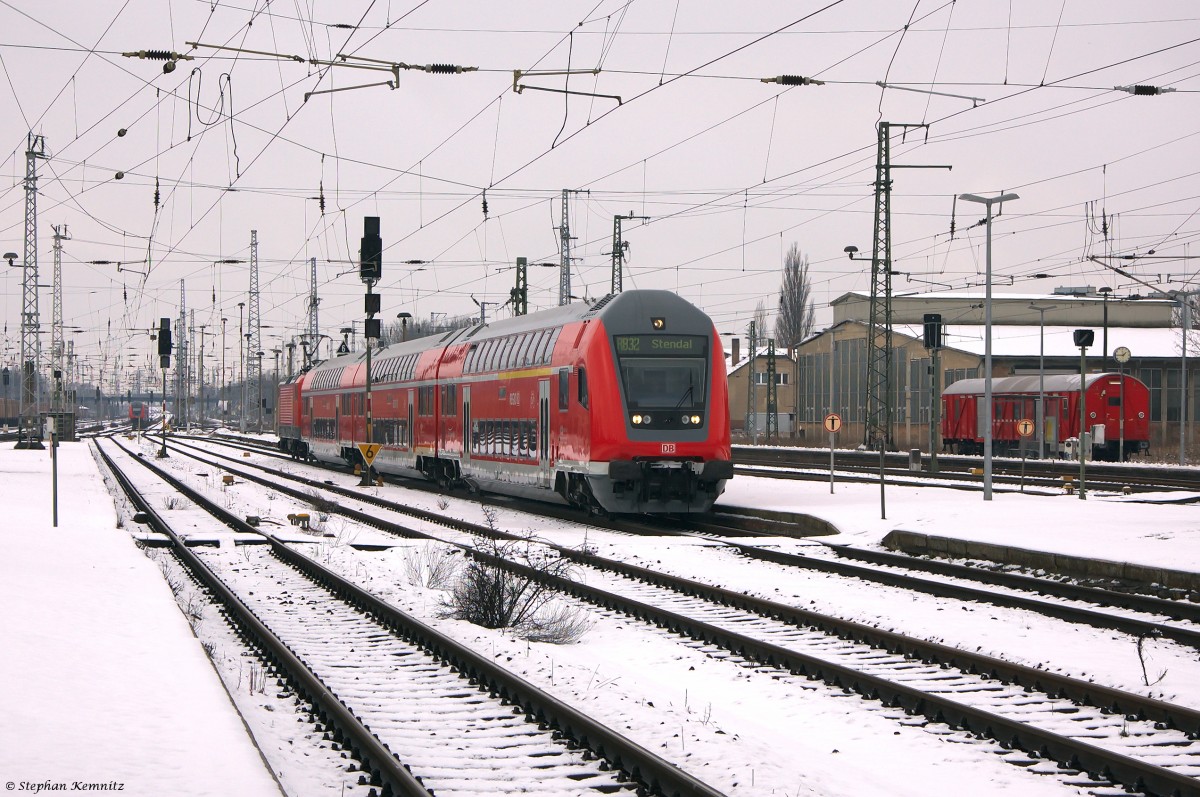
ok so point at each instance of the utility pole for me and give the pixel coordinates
(519, 295)
(878, 429)
(255, 341)
(56, 329)
(314, 328)
(30, 433)
(181, 364)
(772, 394)
(564, 244)
(201, 358)
(752, 389)
(619, 247)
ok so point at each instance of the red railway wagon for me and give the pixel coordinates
(621, 405)
(1117, 407)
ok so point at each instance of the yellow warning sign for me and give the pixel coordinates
(369, 452)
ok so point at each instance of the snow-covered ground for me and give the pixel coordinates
(99, 617)
(103, 680)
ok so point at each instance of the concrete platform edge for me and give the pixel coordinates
(917, 543)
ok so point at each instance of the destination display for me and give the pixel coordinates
(661, 344)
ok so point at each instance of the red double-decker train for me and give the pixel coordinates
(1117, 407)
(139, 415)
(620, 405)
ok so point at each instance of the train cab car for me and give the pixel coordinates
(1117, 408)
(620, 406)
(139, 415)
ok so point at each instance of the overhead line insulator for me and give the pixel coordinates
(793, 80)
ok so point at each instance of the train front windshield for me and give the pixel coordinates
(663, 371)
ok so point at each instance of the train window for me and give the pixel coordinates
(472, 355)
(522, 354)
(582, 386)
(533, 451)
(542, 351)
(449, 400)
(1114, 401)
(425, 400)
(506, 359)
(489, 348)
(564, 388)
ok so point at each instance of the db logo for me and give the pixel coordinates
(668, 448)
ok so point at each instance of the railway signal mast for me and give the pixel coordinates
(370, 271)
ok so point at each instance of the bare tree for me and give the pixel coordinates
(760, 322)
(795, 320)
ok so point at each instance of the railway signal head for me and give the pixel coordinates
(370, 251)
(164, 342)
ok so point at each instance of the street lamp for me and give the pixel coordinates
(987, 339)
(259, 410)
(242, 344)
(403, 325)
(1083, 339)
(1105, 291)
(1041, 406)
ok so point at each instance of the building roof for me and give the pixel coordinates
(732, 367)
(1024, 341)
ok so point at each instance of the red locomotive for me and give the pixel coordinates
(621, 405)
(1117, 407)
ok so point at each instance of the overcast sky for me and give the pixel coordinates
(730, 170)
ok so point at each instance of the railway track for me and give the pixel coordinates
(813, 464)
(1090, 605)
(395, 687)
(1138, 742)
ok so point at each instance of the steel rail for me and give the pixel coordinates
(1069, 752)
(384, 765)
(654, 774)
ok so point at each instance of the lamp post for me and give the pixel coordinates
(224, 397)
(403, 325)
(1041, 406)
(242, 371)
(987, 339)
(1105, 291)
(1083, 339)
(258, 412)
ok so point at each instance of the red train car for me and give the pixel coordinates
(1117, 407)
(621, 405)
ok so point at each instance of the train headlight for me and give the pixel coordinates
(645, 419)
(685, 420)
(637, 419)
(695, 419)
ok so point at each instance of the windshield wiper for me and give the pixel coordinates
(686, 395)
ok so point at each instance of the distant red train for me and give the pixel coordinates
(1117, 407)
(139, 415)
(621, 405)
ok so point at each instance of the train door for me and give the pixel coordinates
(466, 423)
(410, 433)
(543, 431)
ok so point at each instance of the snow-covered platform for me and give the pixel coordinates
(104, 681)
